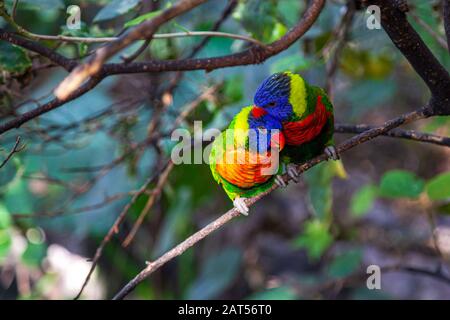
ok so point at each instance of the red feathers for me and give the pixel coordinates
(305, 130)
(258, 112)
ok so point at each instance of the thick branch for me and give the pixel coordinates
(225, 218)
(446, 14)
(144, 30)
(408, 41)
(255, 54)
(53, 56)
(251, 56)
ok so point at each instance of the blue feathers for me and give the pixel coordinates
(261, 130)
(273, 96)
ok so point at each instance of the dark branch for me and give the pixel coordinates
(13, 151)
(446, 14)
(53, 104)
(144, 30)
(411, 45)
(251, 56)
(396, 133)
(53, 56)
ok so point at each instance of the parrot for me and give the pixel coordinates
(309, 127)
(255, 137)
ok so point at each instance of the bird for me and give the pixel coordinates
(244, 159)
(309, 118)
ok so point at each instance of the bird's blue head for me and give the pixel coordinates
(264, 131)
(282, 95)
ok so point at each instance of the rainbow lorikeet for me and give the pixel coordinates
(309, 124)
(245, 157)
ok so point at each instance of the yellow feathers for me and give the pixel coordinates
(297, 97)
(241, 126)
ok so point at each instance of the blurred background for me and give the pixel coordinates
(387, 204)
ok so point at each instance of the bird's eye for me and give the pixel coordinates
(271, 104)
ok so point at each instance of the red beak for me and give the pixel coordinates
(258, 112)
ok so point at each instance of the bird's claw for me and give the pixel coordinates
(239, 204)
(292, 172)
(280, 182)
(332, 153)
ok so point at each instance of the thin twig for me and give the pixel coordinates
(14, 150)
(113, 230)
(437, 274)
(342, 34)
(149, 204)
(439, 39)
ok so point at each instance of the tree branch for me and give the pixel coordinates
(446, 15)
(396, 133)
(232, 213)
(14, 150)
(53, 56)
(253, 55)
(411, 45)
(436, 274)
(145, 30)
(53, 104)
(439, 39)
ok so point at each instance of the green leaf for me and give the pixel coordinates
(5, 218)
(278, 31)
(400, 183)
(142, 18)
(217, 274)
(115, 9)
(345, 264)
(280, 293)
(438, 188)
(258, 18)
(5, 243)
(362, 200)
(316, 238)
(13, 58)
(34, 254)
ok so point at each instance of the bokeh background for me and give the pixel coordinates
(313, 240)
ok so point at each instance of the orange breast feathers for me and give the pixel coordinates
(244, 168)
(302, 131)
